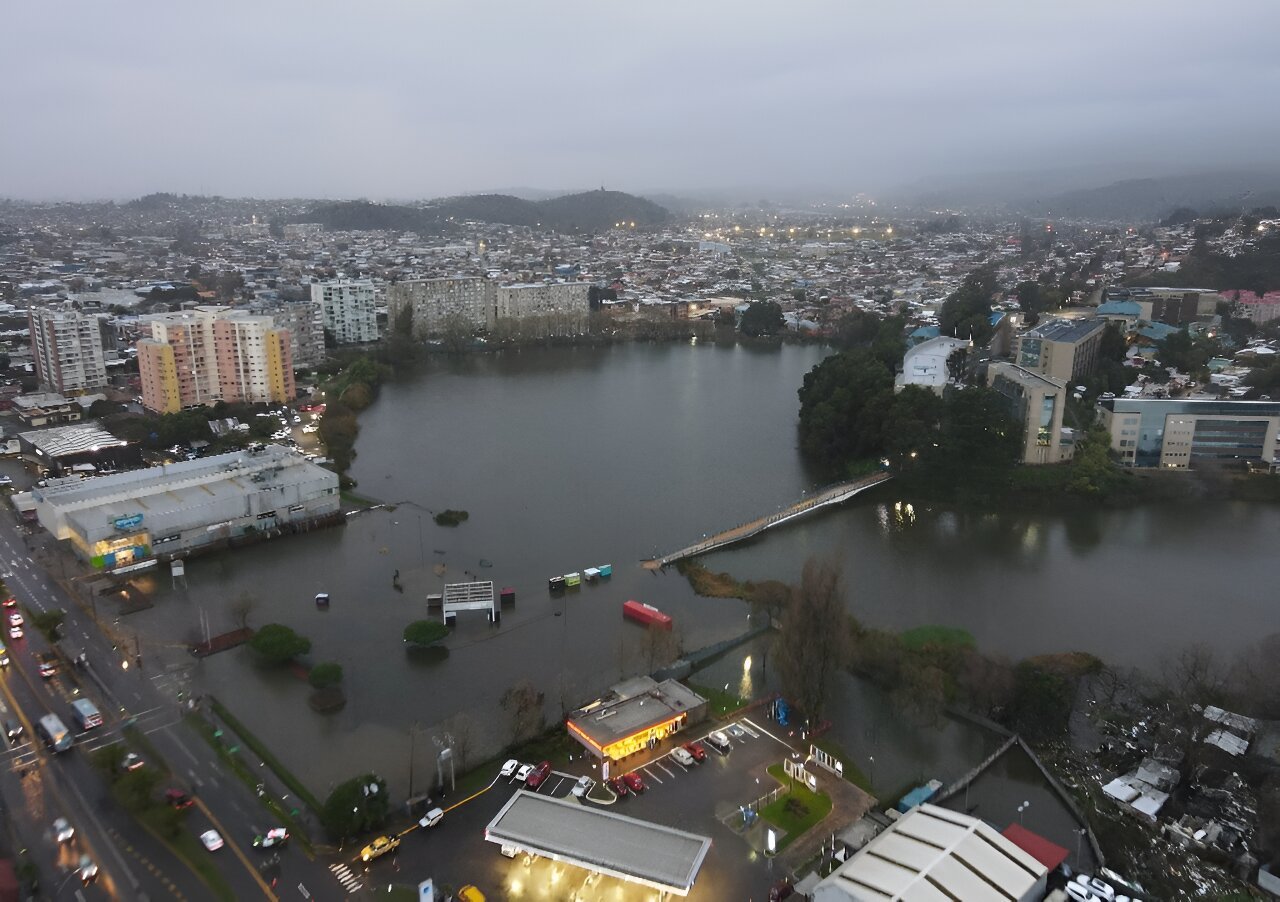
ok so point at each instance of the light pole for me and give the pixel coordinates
(1021, 808)
(1079, 837)
(413, 735)
(872, 759)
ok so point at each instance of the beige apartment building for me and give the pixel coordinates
(66, 348)
(486, 305)
(1038, 402)
(1066, 350)
(209, 354)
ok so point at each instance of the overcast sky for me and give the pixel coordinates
(418, 98)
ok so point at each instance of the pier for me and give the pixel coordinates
(831, 495)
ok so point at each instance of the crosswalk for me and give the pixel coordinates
(350, 882)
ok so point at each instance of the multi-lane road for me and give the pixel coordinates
(38, 786)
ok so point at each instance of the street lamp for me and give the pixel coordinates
(1021, 808)
(872, 759)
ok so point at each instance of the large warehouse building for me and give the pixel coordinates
(126, 518)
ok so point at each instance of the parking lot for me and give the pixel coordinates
(689, 797)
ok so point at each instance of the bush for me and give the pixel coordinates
(278, 644)
(450, 517)
(48, 623)
(425, 632)
(324, 675)
(351, 809)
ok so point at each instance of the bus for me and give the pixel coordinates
(86, 714)
(54, 732)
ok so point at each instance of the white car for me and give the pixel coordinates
(431, 818)
(509, 768)
(522, 773)
(63, 830)
(582, 786)
(719, 740)
(1099, 888)
(15, 619)
(682, 757)
(212, 840)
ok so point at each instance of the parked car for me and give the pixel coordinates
(15, 632)
(682, 756)
(1099, 888)
(634, 783)
(272, 839)
(211, 840)
(582, 786)
(539, 775)
(379, 847)
(470, 893)
(15, 618)
(523, 771)
(719, 741)
(618, 786)
(431, 818)
(735, 731)
(698, 752)
(781, 890)
(509, 768)
(63, 830)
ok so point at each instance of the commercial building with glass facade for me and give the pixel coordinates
(1187, 434)
(1037, 401)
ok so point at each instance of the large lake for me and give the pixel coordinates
(570, 458)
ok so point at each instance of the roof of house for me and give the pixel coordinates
(1047, 853)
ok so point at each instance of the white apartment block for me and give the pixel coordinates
(66, 347)
(348, 309)
(540, 299)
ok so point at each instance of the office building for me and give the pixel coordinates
(1191, 434)
(1038, 402)
(348, 310)
(435, 301)
(66, 349)
(209, 354)
(1066, 350)
(125, 519)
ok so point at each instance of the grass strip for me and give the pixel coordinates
(189, 850)
(851, 771)
(719, 702)
(286, 776)
(796, 810)
(248, 778)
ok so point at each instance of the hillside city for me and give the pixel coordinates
(184, 379)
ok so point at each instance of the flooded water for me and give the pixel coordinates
(567, 459)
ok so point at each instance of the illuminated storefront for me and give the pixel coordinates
(635, 716)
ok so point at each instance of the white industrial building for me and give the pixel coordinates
(933, 853)
(348, 309)
(926, 363)
(127, 518)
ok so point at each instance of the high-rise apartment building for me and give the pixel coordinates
(66, 346)
(305, 323)
(484, 304)
(348, 310)
(211, 354)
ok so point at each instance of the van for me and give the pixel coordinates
(86, 714)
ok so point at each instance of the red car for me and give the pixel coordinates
(698, 752)
(618, 786)
(538, 775)
(178, 799)
(634, 783)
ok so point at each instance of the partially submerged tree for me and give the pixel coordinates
(278, 644)
(425, 632)
(523, 705)
(813, 643)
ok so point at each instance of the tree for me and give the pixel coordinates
(1092, 472)
(425, 632)
(242, 608)
(833, 399)
(357, 806)
(322, 676)
(523, 705)
(49, 622)
(278, 644)
(762, 318)
(1042, 701)
(813, 643)
(461, 727)
(966, 312)
(658, 646)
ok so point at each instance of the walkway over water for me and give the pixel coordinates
(831, 495)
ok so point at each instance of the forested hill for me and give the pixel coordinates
(590, 211)
(1148, 200)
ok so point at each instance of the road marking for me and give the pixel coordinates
(652, 775)
(767, 733)
(670, 773)
(350, 882)
(747, 730)
(226, 837)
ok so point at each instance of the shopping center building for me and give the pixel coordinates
(128, 518)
